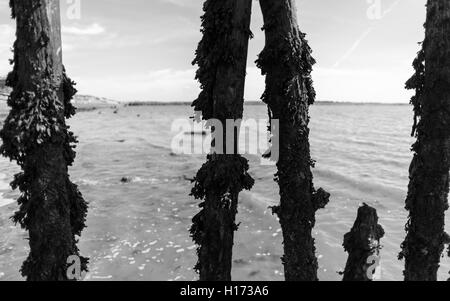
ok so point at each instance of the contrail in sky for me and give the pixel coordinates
(363, 36)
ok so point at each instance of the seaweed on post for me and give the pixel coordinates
(428, 189)
(222, 58)
(363, 245)
(286, 62)
(36, 136)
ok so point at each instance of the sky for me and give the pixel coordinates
(141, 50)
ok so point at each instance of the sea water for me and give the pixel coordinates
(138, 230)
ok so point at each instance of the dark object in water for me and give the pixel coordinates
(363, 246)
(126, 180)
(428, 189)
(287, 63)
(35, 135)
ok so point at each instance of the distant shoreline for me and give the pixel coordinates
(89, 102)
(94, 106)
(86, 103)
(254, 103)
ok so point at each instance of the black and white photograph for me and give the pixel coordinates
(197, 142)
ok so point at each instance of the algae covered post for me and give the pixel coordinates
(222, 58)
(287, 63)
(363, 245)
(36, 136)
(427, 198)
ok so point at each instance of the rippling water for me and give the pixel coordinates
(139, 230)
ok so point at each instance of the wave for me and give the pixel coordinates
(364, 188)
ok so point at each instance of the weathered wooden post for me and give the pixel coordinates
(36, 136)
(363, 245)
(427, 198)
(222, 58)
(287, 63)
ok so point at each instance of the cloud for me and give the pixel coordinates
(182, 3)
(165, 85)
(93, 29)
(160, 85)
(168, 85)
(361, 85)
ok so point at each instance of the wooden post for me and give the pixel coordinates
(36, 136)
(287, 63)
(363, 245)
(222, 59)
(427, 198)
